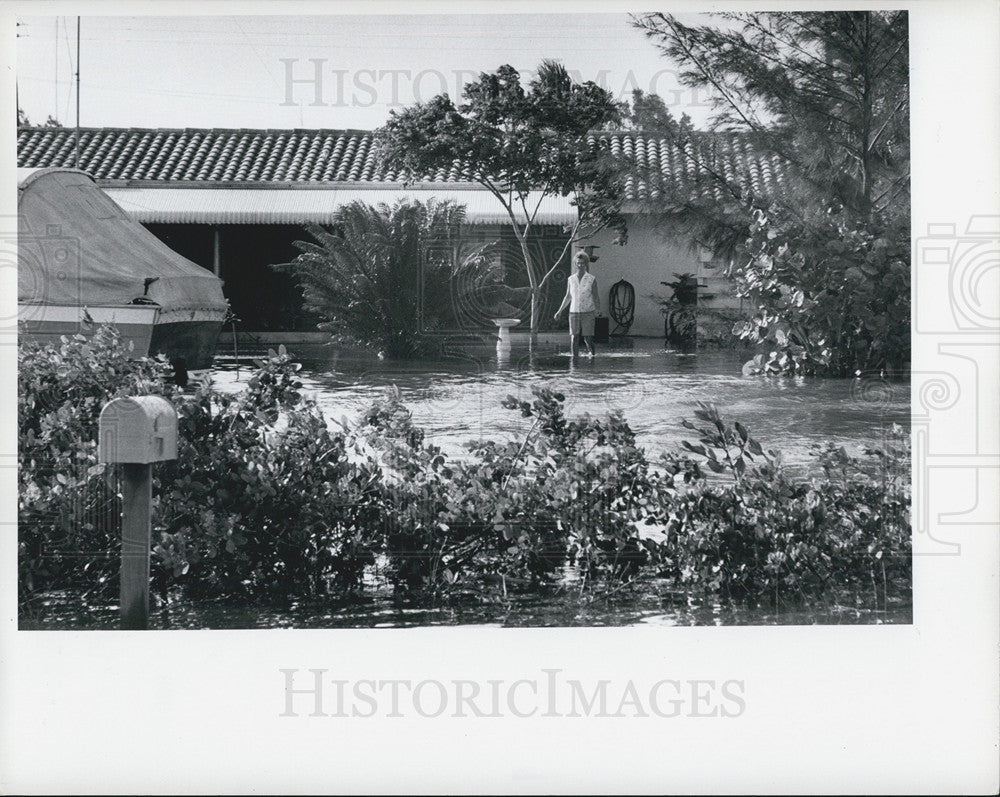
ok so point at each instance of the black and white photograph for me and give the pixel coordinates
(546, 342)
(544, 353)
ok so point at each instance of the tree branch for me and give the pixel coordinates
(568, 244)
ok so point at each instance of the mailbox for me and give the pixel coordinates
(139, 430)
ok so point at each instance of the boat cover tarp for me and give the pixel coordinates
(77, 247)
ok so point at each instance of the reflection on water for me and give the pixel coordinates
(656, 605)
(457, 397)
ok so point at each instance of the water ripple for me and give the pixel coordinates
(459, 397)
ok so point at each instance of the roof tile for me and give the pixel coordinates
(321, 156)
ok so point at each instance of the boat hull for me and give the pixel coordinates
(46, 323)
(193, 340)
(186, 336)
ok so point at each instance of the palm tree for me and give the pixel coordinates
(384, 276)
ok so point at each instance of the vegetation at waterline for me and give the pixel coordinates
(267, 501)
(825, 96)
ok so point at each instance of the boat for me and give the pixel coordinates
(82, 262)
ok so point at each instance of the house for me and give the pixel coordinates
(234, 201)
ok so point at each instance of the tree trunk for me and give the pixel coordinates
(537, 302)
(529, 267)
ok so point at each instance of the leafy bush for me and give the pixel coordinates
(262, 498)
(827, 298)
(763, 535)
(579, 493)
(591, 479)
(569, 494)
(68, 506)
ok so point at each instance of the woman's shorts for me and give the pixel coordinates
(582, 323)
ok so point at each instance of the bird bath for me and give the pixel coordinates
(503, 341)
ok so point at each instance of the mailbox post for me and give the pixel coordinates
(135, 432)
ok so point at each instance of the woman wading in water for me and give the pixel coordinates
(584, 304)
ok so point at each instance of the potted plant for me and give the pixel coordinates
(680, 319)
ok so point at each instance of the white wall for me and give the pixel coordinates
(650, 257)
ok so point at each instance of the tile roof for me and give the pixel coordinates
(253, 156)
(660, 166)
(349, 156)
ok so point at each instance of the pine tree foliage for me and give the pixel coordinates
(823, 97)
(827, 92)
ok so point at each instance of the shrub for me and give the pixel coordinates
(261, 500)
(68, 506)
(570, 493)
(591, 480)
(759, 534)
(826, 299)
(381, 276)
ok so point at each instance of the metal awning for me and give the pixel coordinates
(280, 205)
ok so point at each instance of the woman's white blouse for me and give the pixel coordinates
(581, 294)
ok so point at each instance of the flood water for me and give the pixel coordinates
(458, 397)
(656, 604)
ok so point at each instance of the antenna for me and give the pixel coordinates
(76, 135)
